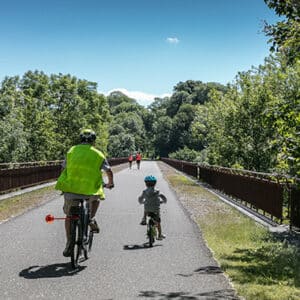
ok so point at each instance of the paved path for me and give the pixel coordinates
(121, 266)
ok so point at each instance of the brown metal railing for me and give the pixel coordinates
(263, 191)
(21, 175)
(13, 176)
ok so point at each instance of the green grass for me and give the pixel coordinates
(261, 265)
(19, 204)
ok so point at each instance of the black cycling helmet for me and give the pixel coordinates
(87, 136)
(150, 180)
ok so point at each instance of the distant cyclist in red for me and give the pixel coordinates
(130, 159)
(138, 159)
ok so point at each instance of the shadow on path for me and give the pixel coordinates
(209, 270)
(227, 294)
(140, 247)
(50, 271)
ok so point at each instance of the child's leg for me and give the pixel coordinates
(159, 228)
(143, 222)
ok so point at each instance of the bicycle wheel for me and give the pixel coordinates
(86, 232)
(76, 242)
(88, 244)
(150, 233)
(91, 236)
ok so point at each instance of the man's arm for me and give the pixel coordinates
(110, 177)
(106, 167)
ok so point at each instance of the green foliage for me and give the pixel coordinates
(162, 138)
(255, 124)
(121, 145)
(41, 116)
(285, 34)
(127, 129)
(185, 154)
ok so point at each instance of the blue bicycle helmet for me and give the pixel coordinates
(150, 178)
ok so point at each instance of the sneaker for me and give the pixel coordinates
(143, 222)
(161, 237)
(67, 251)
(94, 226)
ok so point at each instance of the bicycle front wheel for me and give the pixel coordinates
(88, 244)
(76, 242)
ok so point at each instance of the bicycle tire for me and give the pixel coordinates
(86, 233)
(91, 237)
(150, 233)
(88, 244)
(76, 242)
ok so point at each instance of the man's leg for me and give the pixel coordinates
(67, 208)
(68, 228)
(94, 204)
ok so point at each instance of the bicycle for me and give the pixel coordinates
(81, 234)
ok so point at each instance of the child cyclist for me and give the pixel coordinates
(152, 198)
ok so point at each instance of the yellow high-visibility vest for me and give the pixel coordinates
(82, 174)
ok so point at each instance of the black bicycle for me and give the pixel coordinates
(81, 234)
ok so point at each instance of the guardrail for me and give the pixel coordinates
(21, 175)
(269, 193)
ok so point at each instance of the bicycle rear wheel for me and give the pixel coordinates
(76, 242)
(150, 233)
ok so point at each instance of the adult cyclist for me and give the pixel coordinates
(82, 177)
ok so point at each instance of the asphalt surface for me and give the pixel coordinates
(121, 265)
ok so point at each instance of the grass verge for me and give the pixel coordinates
(17, 205)
(260, 265)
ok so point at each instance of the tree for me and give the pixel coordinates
(285, 35)
(162, 138)
(121, 145)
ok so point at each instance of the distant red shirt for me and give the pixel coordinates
(130, 158)
(138, 157)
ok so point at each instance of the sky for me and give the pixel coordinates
(140, 47)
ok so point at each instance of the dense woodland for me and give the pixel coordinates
(252, 123)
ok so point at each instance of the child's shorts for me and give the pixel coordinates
(155, 216)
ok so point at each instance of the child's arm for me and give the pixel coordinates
(141, 198)
(163, 198)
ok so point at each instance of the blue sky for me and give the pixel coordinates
(142, 47)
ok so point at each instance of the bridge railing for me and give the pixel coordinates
(21, 175)
(269, 193)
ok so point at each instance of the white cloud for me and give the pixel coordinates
(141, 97)
(172, 40)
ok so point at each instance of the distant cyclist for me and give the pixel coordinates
(152, 198)
(82, 177)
